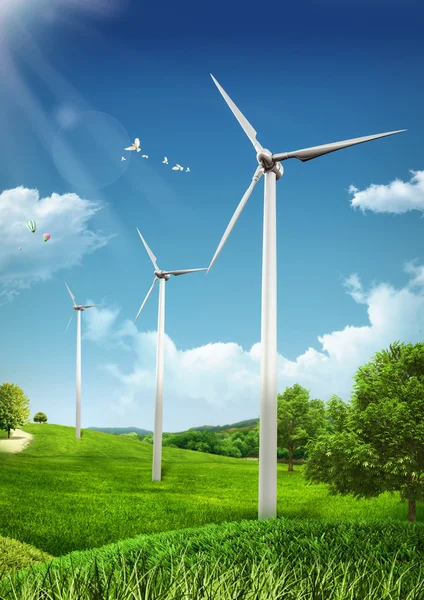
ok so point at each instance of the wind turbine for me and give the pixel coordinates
(78, 308)
(162, 277)
(269, 165)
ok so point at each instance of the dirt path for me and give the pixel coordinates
(16, 443)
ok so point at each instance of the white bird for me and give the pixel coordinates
(187, 170)
(122, 158)
(135, 145)
(165, 161)
(178, 168)
(144, 156)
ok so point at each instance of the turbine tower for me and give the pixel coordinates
(269, 166)
(162, 277)
(78, 309)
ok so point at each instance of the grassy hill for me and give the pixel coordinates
(62, 494)
(82, 493)
(240, 425)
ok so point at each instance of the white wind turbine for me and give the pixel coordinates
(269, 165)
(162, 276)
(78, 309)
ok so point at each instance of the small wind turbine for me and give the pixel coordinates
(269, 164)
(78, 309)
(160, 276)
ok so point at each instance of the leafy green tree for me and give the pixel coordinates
(336, 414)
(41, 417)
(379, 443)
(299, 419)
(240, 444)
(252, 442)
(226, 448)
(14, 407)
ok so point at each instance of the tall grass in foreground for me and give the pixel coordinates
(267, 560)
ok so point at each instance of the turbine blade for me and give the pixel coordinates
(176, 273)
(149, 252)
(69, 322)
(310, 153)
(71, 294)
(145, 299)
(248, 129)
(91, 305)
(259, 171)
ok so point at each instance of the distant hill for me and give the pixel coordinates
(249, 424)
(120, 430)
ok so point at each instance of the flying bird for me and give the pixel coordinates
(122, 158)
(165, 161)
(178, 168)
(187, 170)
(144, 156)
(135, 145)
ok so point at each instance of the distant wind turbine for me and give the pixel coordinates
(78, 309)
(269, 164)
(162, 277)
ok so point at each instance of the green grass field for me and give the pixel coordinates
(62, 494)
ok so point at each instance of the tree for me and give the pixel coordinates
(379, 444)
(14, 407)
(40, 417)
(299, 419)
(336, 414)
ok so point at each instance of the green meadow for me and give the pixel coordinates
(62, 495)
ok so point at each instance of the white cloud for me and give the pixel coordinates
(225, 377)
(99, 323)
(354, 288)
(65, 217)
(417, 274)
(397, 197)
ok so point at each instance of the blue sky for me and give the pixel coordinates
(80, 83)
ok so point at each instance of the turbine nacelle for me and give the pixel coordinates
(76, 306)
(266, 160)
(162, 275)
